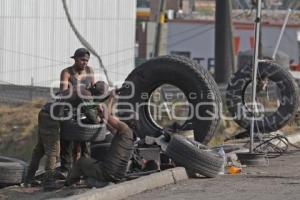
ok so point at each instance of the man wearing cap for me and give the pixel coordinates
(79, 75)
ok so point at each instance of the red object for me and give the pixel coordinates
(295, 67)
(236, 42)
(251, 40)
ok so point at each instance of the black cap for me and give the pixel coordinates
(80, 53)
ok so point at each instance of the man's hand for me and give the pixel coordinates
(102, 112)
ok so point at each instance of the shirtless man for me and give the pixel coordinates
(77, 75)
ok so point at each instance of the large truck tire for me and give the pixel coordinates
(196, 160)
(288, 96)
(191, 78)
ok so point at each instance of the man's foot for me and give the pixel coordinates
(29, 178)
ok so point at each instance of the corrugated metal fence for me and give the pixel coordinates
(36, 40)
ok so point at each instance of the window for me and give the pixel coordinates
(143, 4)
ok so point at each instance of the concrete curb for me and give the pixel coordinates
(128, 188)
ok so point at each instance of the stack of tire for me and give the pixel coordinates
(12, 171)
(71, 130)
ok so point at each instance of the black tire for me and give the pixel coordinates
(287, 88)
(72, 131)
(103, 135)
(12, 171)
(10, 159)
(195, 82)
(100, 151)
(195, 160)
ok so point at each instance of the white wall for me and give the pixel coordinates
(36, 40)
(197, 38)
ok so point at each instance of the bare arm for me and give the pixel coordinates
(92, 74)
(64, 79)
(113, 123)
(116, 124)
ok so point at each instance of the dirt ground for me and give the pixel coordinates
(37, 193)
(281, 180)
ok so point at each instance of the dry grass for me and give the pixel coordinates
(230, 128)
(18, 128)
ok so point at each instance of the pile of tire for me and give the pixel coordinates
(12, 171)
(191, 78)
(288, 96)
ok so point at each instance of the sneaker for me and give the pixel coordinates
(49, 182)
(61, 174)
(51, 185)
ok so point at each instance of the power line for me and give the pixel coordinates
(31, 55)
(33, 68)
(60, 61)
(57, 79)
(53, 65)
(116, 52)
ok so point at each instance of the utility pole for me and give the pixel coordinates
(260, 45)
(224, 60)
(160, 18)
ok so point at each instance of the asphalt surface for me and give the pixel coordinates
(280, 180)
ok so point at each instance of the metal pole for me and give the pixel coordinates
(254, 72)
(224, 61)
(159, 21)
(281, 33)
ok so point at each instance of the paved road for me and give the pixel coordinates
(281, 180)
